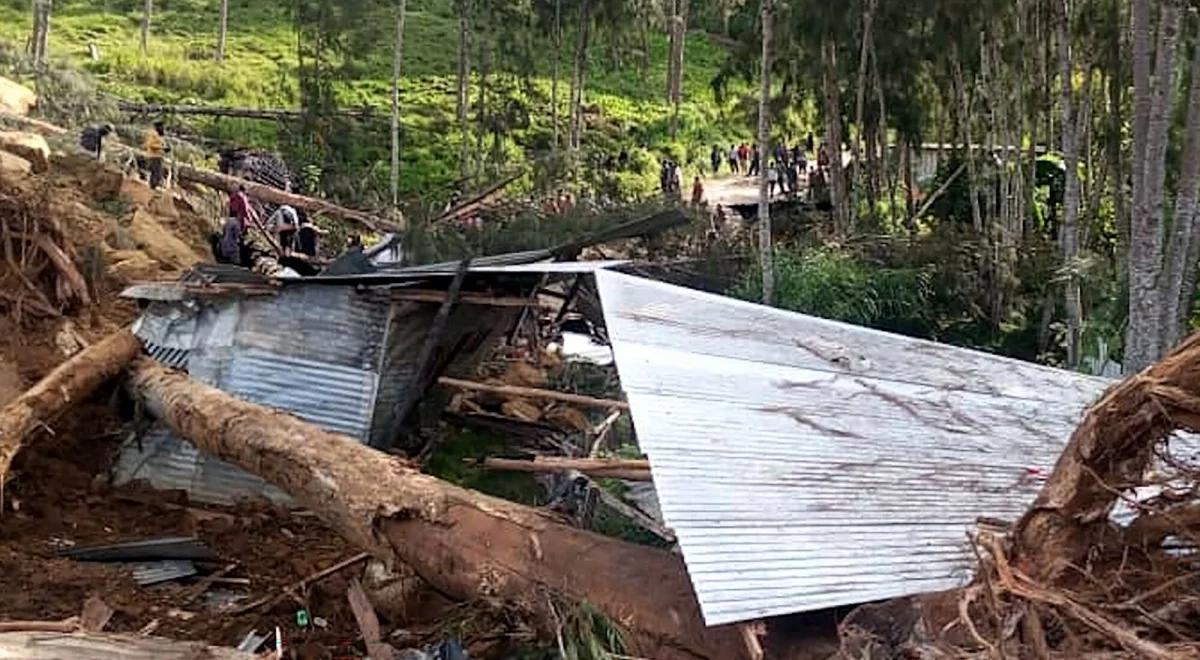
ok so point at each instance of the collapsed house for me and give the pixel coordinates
(801, 463)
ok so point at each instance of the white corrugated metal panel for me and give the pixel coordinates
(805, 463)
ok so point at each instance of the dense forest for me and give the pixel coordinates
(1059, 224)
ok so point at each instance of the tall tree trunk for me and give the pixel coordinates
(147, 12)
(1144, 336)
(222, 30)
(464, 88)
(833, 138)
(579, 74)
(964, 121)
(1179, 280)
(1069, 235)
(678, 41)
(554, 110)
(860, 95)
(397, 61)
(766, 254)
(40, 41)
(465, 544)
(485, 61)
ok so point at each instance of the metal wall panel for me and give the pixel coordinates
(331, 324)
(807, 464)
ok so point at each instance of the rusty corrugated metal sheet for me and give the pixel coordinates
(807, 464)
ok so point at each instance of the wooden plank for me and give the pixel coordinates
(534, 393)
(80, 646)
(590, 467)
(465, 298)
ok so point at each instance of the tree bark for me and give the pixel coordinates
(1144, 336)
(147, 11)
(73, 381)
(465, 544)
(397, 61)
(579, 74)
(464, 87)
(766, 250)
(860, 96)
(833, 138)
(554, 109)
(1069, 238)
(1179, 280)
(90, 646)
(40, 41)
(675, 69)
(222, 30)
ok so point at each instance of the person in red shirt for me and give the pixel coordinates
(241, 208)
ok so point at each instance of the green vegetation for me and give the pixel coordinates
(453, 462)
(625, 93)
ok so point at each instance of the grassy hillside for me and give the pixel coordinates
(260, 70)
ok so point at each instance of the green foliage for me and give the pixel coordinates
(453, 461)
(345, 56)
(831, 284)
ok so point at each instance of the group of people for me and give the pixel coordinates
(154, 146)
(288, 230)
(784, 170)
(669, 180)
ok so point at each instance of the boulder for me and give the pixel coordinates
(128, 266)
(159, 243)
(30, 146)
(16, 98)
(10, 164)
(136, 191)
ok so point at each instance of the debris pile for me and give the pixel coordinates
(1104, 561)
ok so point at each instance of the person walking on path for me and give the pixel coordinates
(92, 139)
(755, 162)
(772, 178)
(744, 159)
(733, 160)
(155, 148)
(697, 193)
(715, 159)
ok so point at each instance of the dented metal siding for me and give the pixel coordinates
(807, 464)
(310, 350)
(333, 397)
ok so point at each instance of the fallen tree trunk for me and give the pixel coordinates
(258, 191)
(465, 544)
(534, 393)
(1108, 453)
(229, 184)
(592, 467)
(241, 113)
(70, 383)
(80, 646)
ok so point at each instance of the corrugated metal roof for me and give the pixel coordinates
(805, 463)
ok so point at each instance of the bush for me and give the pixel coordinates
(828, 283)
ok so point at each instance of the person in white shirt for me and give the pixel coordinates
(772, 178)
(283, 223)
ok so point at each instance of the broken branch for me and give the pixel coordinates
(533, 393)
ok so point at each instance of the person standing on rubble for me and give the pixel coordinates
(242, 208)
(308, 236)
(155, 147)
(91, 139)
(283, 223)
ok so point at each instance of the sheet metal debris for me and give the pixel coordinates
(173, 547)
(806, 464)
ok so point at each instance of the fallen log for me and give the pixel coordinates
(534, 393)
(592, 467)
(81, 646)
(70, 383)
(229, 184)
(465, 544)
(240, 113)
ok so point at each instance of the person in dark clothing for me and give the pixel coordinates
(308, 239)
(808, 144)
(231, 247)
(755, 161)
(623, 158)
(92, 139)
(715, 158)
(792, 177)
